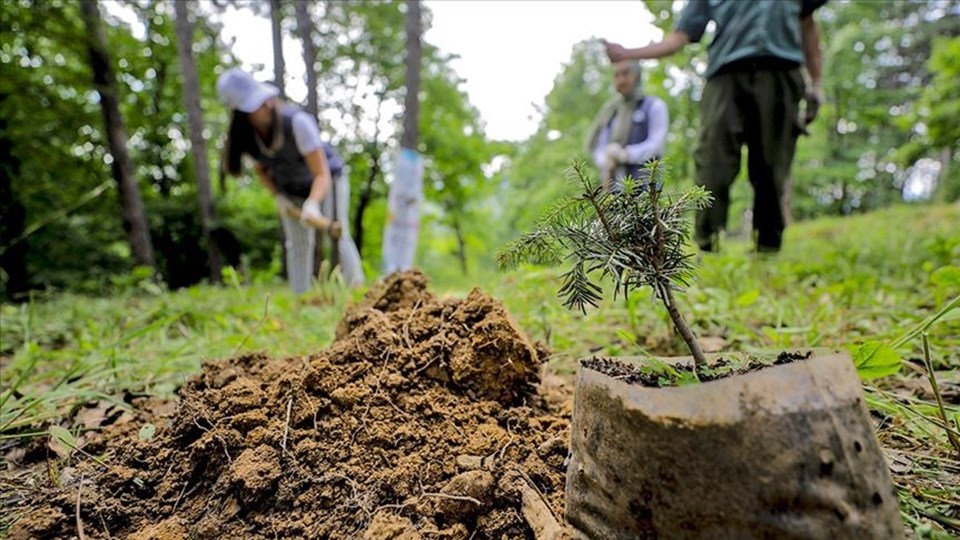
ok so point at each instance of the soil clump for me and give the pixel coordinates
(422, 420)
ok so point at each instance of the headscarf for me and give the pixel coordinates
(619, 107)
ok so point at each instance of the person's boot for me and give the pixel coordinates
(767, 243)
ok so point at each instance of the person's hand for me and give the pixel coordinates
(615, 155)
(814, 99)
(310, 211)
(615, 51)
(285, 206)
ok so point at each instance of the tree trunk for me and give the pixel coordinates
(104, 79)
(461, 241)
(191, 98)
(304, 31)
(279, 68)
(411, 102)
(304, 27)
(366, 193)
(366, 196)
(13, 216)
(947, 187)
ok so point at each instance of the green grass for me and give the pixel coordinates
(838, 282)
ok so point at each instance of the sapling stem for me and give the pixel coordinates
(699, 360)
(666, 294)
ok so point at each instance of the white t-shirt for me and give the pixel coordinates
(306, 133)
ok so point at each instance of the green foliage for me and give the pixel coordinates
(874, 360)
(52, 124)
(73, 349)
(456, 151)
(872, 128)
(937, 111)
(634, 239)
(860, 150)
(579, 90)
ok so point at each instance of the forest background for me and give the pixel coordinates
(888, 133)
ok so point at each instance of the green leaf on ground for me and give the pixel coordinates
(874, 359)
(748, 298)
(947, 278)
(147, 432)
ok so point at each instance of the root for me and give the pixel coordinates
(79, 521)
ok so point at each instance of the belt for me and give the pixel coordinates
(759, 63)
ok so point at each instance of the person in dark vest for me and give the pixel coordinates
(752, 98)
(290, 160)
(629, 131)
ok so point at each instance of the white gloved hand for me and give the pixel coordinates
(310, 211)
(285, 206)
(615, 154)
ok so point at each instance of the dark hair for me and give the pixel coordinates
(239, 141)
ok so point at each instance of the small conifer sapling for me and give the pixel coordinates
(635, 238)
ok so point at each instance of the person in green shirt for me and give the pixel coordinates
(752, 97)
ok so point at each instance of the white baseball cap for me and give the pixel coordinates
(240, 91)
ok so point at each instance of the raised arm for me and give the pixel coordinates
(813, 60)
(673, 42)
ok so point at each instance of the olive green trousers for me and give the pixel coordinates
(759, 109)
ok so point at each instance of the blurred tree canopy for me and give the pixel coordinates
(890, 74)
(889, 127)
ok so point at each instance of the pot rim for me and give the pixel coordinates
(826, 379)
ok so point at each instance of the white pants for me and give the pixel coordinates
(300, 241)
(350, 265)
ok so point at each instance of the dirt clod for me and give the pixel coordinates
(412, 417)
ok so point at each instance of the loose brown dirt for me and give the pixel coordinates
(425, 419)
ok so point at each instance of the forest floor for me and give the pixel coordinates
(115, 412)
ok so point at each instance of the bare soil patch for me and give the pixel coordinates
(425, 419)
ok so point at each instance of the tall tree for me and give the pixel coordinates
(13, 251)
(191, 98)
(403, 223)
(304, 27)
(578, 92)
(452, 135)
(134, 216)
(411, 101)
(304, 31)
(279, 67)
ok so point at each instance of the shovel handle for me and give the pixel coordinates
(331, 227)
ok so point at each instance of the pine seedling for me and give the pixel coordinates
(635, 239)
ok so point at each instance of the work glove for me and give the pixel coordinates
(814, 99)
(615, 155)
(310, 211)
(285, 206)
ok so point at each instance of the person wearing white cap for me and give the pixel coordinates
(291, 161)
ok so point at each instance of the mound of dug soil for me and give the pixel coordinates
(422, 420)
